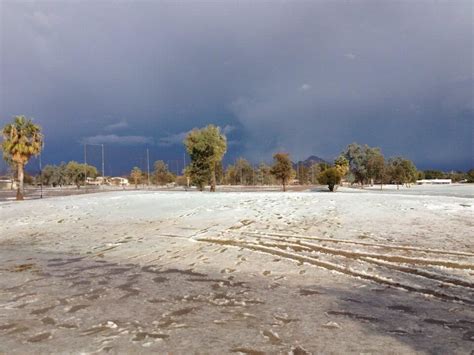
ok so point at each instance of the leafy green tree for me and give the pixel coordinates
(375, 163)
(331, 177)
(376, 167)
(161, 173)
(220, 175)
(420, 175)
(313, 173)
(302, 173)
(230, 176)
(358, 157)
(206, 147)
(264, 175)
(470, 176)
(136, 174)
(456, 176)
(54, 175)
(402, 171)
(342, 165)
(434, 174)
(48, 175)
(411, 172)
(323, 166)
(282, 168)
(76, 173)
(241, 173)
(22, 139)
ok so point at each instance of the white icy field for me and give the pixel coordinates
(144, 272)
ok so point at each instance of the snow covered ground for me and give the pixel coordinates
(249, 272)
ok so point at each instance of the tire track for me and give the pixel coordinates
(388, 265)
(389, 246)
(385, 264)
(392, 258)
(334, 267)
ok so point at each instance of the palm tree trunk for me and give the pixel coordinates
(284, 186)
(21, 175)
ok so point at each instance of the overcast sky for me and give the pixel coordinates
(303, 77)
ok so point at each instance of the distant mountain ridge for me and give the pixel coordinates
(312, 159)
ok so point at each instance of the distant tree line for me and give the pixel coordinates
(161, 175)
(72, 173)
(455, 176)
(367, 165)
(357, 164)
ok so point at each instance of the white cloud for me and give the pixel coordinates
(227, 129)
(178, 138)
(42, 21)
(350, 56)
(117, 125)
(115, 139)
(172, 139)
(305, 87)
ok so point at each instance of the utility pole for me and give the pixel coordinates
(85, 167)
(184, 170)
(253, 175)
(41, 176)
(241, 176)
(103, 165)
(148, 165)
(85, 161)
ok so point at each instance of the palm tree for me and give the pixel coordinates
(22, 139)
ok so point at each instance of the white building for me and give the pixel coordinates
(7, 184)
(434, 182)
(119, 181)
(92, 181)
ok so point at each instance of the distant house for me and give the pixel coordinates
(92, 181)
(100, 180)
(434, 182)
(118, 181)
(7, 184)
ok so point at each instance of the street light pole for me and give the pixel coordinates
(85, 160)
(41, 176)
(85, 167)
(103, 165)
(148, 165)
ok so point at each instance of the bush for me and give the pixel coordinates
(330, 177)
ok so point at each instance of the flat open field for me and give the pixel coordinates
(249, 272)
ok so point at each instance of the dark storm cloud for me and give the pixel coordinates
(306, 77)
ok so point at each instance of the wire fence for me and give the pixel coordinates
(38, 192)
